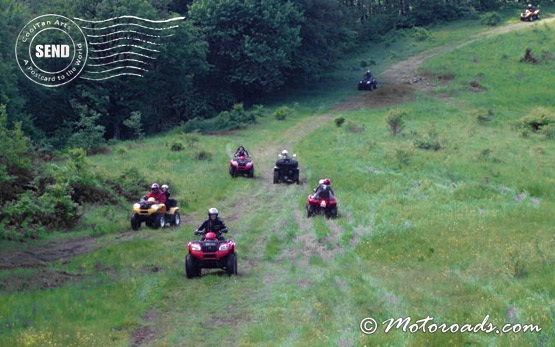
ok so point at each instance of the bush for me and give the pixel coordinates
(339, 121)
(421, 34)
(395, 119)
(429, 141)
(539, 120)
(490, 18)
(235, 118)
(282, 113)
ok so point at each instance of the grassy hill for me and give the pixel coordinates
(449, 219)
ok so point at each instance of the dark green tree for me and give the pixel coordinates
(251, 44)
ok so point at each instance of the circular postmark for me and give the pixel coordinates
(51, 50)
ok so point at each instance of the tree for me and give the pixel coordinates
(251, 43)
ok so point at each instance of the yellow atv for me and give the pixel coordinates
(155, 215)
(530, 15)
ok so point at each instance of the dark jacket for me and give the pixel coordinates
(217, 226)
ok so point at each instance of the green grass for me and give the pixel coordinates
(455, 234)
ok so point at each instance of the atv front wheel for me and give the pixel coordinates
(276, 177)
(231, 267)
(309, 212)
(159, 221)
(135, 223)
(191, 268)
(251, 172)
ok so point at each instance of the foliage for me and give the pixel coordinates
(428, 141)
(134, 123)
(282, 112)
(251, 43)
(87, 134)
(539, 120)
(237, 117)
(490, 18)
(395, 119)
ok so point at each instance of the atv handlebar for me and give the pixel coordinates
(198, 232)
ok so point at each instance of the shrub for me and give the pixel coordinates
(429, 141)
(339, 121)
(282, 113)
(134, 123)
(420, 34)
(235, 118)
(539, 120)
(395, 119)
(490, 18)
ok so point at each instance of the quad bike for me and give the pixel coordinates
(286, 170)
(155, 215)
(210, 253)
(530, 15)
(241, 165)
(368, 83)
(323, 202)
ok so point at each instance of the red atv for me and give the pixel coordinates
(241, 165)
(322, 202)
(210, 253)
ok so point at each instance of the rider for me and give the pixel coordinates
(321, 183)
(368, 75)
(166, 192)
(284, 154)
(157, 194)
(212, 224)
(241, 151)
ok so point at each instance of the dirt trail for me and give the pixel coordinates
(396, 89)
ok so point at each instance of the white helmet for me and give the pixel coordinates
(321, 181)
(165, 187)
(284, 153)
(213, 210)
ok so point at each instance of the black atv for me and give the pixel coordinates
(286, 170)
(367, 83)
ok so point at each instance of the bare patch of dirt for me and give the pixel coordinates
(40, 280)
(41, 256)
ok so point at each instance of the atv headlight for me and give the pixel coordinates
(195, 247)
(223, 247)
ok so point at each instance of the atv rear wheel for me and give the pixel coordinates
(331, 213)
(191, 268)
(231, 266)
(176, 219)
(135, 223)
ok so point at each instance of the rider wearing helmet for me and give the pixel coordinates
(166, 190)
(157, 194)
(284, 154)
(324, 182)
(212, 224)
(368, 75)
(241, 151)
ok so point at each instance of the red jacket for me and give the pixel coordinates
(160, 196)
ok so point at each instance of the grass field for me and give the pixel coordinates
(461, 232)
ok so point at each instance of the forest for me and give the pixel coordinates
(225, 55)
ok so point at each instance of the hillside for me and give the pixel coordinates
(456, 234)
